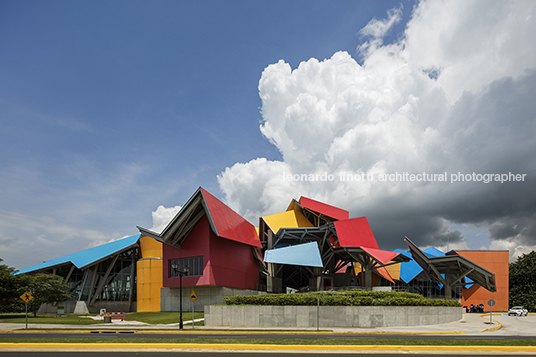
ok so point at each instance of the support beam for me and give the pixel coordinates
(132, 271)
(463, 276)
(69, 274)
(92, 285)
(84, 278)
(101, 285)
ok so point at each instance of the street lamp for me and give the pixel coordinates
(184, 271)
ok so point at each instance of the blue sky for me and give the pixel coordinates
(113, 108)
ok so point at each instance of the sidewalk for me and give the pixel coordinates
(473, 324)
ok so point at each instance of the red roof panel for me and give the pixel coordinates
(230, 224)
(355, 232)
(383, 256)
(325, 209)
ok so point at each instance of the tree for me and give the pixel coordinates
(523, 281)
(10, 289)
(45, 288)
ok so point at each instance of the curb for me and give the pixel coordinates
(493, 328)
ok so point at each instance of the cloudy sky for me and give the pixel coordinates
(419, 115)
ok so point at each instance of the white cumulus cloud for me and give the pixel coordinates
(162, 216)
(455, 95)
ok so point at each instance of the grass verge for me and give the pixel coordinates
(283, 341)
(153, 318)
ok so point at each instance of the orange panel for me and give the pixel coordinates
(150, 248)
(496, 262)
(149, 278)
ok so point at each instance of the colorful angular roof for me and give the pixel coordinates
(89, 256)
(382, 271)
(229, 224)
(224, 222)
(460, 267)
(287, 219)
(355, 232)
(323, 208)
(306, 254)
(410, 270)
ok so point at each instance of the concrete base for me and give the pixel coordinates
(81, 308)
(328, 316)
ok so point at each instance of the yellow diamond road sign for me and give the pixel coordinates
(193, 296)
(26, 297)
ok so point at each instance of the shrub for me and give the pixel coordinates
(340, 298)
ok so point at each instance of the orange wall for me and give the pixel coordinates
(149, 275)
(496, 262)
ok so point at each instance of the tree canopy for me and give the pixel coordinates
(523, 281)
(45, 288)
(10, 288)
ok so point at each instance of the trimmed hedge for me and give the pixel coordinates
(340, 298)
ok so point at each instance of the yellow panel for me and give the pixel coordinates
(394, 271)
(149, 284)
(293, 206)
(150, 248)
(288, 219)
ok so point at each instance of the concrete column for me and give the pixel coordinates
(274, 284)
(368, 278)
(448, 288)
(315, 282)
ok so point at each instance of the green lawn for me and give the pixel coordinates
(283, 341)
(152, 318)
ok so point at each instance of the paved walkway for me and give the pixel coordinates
(473, 324)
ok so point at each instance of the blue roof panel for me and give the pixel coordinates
(408, 270)
(306, 254)
(87, 257)
(433, 252)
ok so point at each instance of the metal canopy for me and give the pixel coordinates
(454, 268)
(88, 257)
(334, 256)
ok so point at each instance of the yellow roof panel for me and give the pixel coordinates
(288, 219)
(394, 270)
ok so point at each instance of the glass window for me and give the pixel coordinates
(194, 265)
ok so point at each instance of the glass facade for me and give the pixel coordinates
(113, 279)
(422, 285)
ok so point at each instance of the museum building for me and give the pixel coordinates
(211, 250)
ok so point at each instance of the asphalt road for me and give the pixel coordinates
(211, 354)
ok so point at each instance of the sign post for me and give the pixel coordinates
(491, 302)
(27, 298)
(193, 297)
